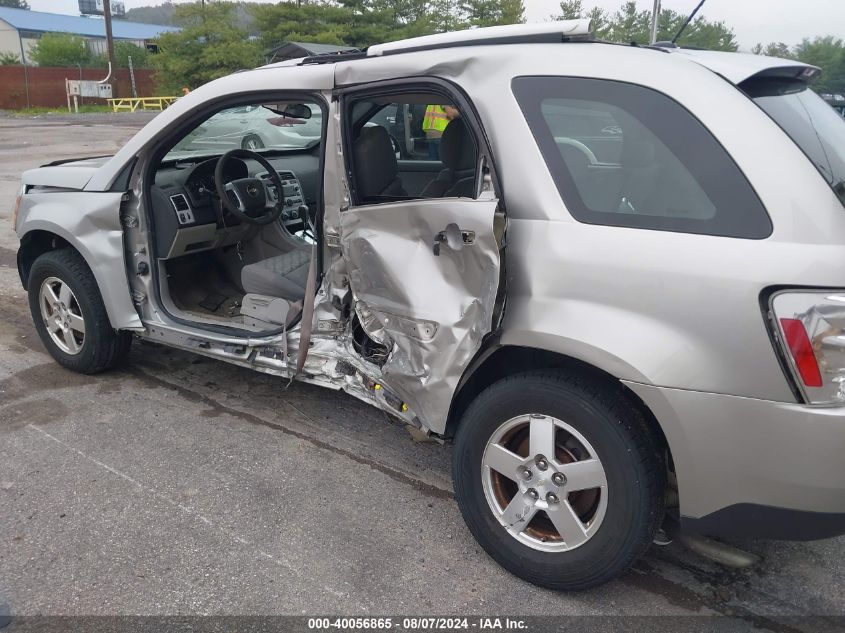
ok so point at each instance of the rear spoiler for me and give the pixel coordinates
(740, 67)
(778, 81)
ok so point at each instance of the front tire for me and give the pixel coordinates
(252, 142)
(69, 315)
(559, 479)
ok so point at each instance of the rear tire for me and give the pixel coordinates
(609, 506)
(69, 315)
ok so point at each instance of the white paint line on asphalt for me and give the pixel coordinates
(183, 508)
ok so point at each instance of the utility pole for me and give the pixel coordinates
(655, 22)
(110, 44)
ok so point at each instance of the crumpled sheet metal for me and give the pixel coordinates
(435, 309)
(91, 223)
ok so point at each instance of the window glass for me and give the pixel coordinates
(401, 149)
(415, 128)
(255, 127)
(626, 155)
(814, 125)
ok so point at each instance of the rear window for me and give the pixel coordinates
(625, 155)
(814, 125)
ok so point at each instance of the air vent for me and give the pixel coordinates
(183, 209)
(180, 203)
(284, 175)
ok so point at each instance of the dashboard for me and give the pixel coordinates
(188, 215)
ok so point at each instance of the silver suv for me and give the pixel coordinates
(614, 277)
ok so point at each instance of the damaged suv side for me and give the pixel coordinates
(587, 276)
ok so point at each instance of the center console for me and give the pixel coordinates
(292, 196)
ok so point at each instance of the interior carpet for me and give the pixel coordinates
(212, 302)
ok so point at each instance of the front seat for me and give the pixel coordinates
(376, 169)
(377, 176)
(457, 152)
(642, 172)
(280, 276)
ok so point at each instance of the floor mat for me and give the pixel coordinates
(212, 302)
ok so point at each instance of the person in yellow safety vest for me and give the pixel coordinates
(436, 119)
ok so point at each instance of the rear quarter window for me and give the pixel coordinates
(626, 155)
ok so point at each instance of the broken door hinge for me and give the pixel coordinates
(138, 297)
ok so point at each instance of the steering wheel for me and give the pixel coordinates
(252, 200)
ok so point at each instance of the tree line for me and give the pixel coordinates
(629, 24)
(214, 40)
(360, 23)
(218, 36)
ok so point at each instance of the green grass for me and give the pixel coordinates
(40, 111)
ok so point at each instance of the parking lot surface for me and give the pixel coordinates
(181, 485)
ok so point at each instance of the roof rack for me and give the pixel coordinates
(547, 32)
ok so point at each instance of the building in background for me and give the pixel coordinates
(21, 29)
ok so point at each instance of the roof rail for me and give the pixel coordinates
(546, 32)
(334, 57)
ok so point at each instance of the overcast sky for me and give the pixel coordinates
(752, 20)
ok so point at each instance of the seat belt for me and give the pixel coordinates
(294, 311)
(307, 316)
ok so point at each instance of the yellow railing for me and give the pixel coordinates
(131, 104)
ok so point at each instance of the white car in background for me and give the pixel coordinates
(252, 127)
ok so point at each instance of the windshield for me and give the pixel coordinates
(816, 128)
(254, 127)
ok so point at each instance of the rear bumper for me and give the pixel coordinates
(749, 520)
(754, 468)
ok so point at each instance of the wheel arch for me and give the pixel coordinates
(250, 134)
(34, 244)
(41, 237)
(500, 361)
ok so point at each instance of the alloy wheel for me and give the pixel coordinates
(62, 315)
(544, 483)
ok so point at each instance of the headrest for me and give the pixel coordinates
(457, 149)
(375, 161)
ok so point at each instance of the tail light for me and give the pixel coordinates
(810, 331)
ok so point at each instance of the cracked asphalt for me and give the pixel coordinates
(181, 485)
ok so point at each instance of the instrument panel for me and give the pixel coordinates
(200, 182)
(189, 216)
